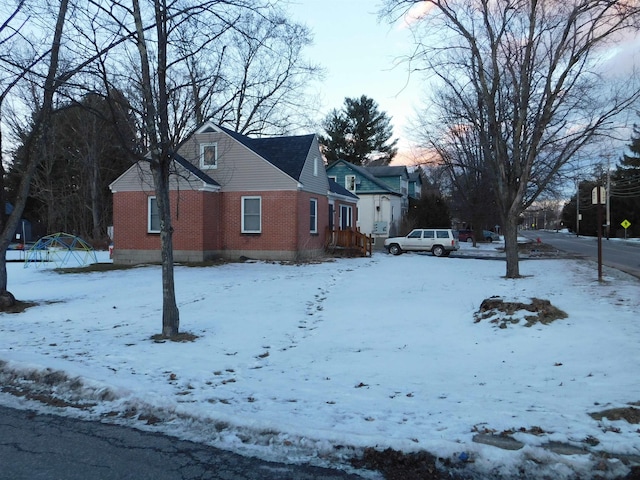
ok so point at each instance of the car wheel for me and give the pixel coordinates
(489, 239)
(395, 249)
(438, 250)
(469, 240)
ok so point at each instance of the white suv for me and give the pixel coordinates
(439, 241)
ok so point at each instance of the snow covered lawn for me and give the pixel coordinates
(291, 361)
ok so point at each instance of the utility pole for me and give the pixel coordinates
(608, 201)
(577, 207)
(597, 196)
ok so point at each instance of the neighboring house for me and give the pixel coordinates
(383, 200)
(232, 196)
(415, 184)
(23, 230)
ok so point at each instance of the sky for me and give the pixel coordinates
(328, 358)
(361, 57)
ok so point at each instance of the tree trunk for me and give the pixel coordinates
(170, 313)
(510, 231)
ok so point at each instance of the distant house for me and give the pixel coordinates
(415, 185)
(233, 196)
(382, 192)
(23, 233)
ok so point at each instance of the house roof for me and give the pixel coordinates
(363, 172)
(194, 170)
(415, 177)
(388, 171)
(286, 153)
(337, 189)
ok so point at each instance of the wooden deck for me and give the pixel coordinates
(348, 242)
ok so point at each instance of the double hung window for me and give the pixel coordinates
(251, 215)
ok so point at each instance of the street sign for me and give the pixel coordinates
(594, 196)
(625, 224)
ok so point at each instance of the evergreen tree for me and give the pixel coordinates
(625, 190)
(70, 187)
(431, 210)
(359, 133)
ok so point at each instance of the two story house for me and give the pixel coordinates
(382, 192)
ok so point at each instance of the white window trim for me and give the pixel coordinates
(349, 220)
(243, 229)
(348, 181)
(314, 228)
(149, 202)
(315, 166)
(203, 147)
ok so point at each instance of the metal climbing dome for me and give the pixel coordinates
(62, 249)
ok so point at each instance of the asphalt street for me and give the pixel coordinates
(35, 446)
(624, 256)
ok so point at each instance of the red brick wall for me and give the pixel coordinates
(208, 221)
(194, 218)
(309, 241)
(279, 220)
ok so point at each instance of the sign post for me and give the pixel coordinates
(625, 224)
(598, 194)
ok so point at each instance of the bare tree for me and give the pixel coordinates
(472, 198)
(252, 75)
(524, 75)
(38, 135)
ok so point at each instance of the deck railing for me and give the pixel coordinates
(349, 240)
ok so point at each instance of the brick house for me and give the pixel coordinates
(232, 196)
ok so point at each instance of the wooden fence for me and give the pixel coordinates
(348, 241)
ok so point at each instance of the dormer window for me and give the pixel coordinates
(350, 182)
(208, 155)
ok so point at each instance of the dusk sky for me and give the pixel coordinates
(361, 57)
(359, 54)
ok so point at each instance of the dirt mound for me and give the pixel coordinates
(503, 314)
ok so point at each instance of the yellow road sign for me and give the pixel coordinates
(625, 224)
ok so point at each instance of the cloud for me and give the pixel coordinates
(416, 13)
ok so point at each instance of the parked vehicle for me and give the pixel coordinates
(465, 235)
(468, 235)
(439, 241)
(490, 236)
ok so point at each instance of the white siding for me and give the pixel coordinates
(368, 213)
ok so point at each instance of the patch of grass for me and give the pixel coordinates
(18, 307)
(95, 267)
(180, 337)
(396, 465)
(630, 414)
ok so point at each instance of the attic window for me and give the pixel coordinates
(315, 166)
(208, 155)
(350, 182)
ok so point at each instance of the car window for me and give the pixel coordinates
(429, 234)
(443, 233)
(415, 234)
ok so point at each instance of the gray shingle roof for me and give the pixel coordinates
(335, 187)
(194, 170)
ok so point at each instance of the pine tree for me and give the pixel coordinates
(625, 189)
(359, 133)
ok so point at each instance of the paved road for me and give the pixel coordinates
(622, 255)
(35, 446)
